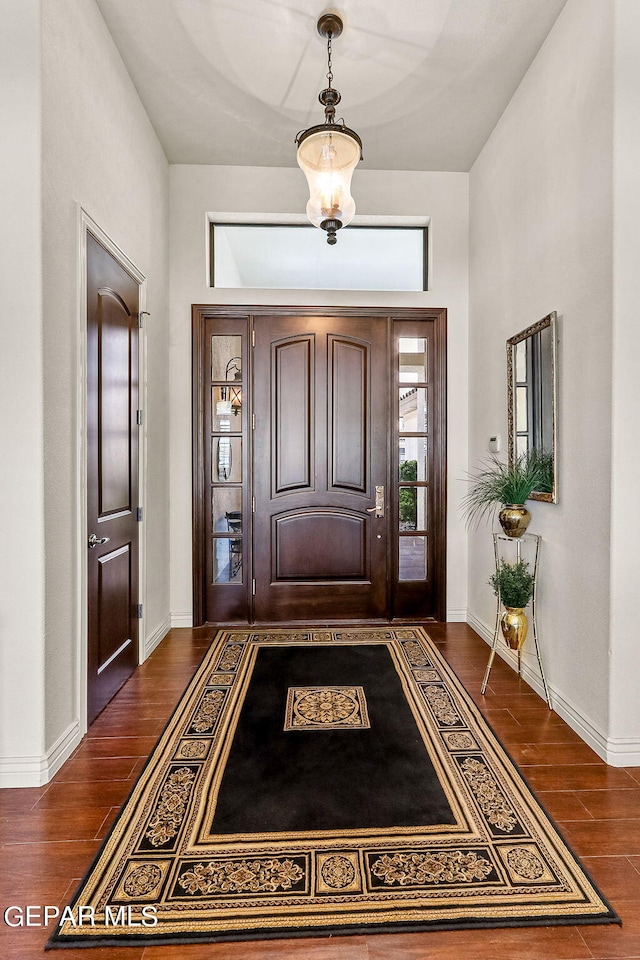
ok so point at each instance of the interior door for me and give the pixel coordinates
(112, 475)
(321, 474)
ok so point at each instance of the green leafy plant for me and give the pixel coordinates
(409, 470)
(407, 495)
(513, 583)
(496, 483)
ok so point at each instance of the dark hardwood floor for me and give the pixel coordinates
(48, 834)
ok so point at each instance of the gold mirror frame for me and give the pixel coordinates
(550, 321)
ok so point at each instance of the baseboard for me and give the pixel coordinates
(615, 752)
(62, 749)
(181, 620)
(158, 635)
(35, 771)
(21, 772)
(480, 628)
(456, 616)
(623, 753)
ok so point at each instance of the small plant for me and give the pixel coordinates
(497, 483)
(513, 583)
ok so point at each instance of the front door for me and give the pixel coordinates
(112, 475)
(319, 463)
(321, 468)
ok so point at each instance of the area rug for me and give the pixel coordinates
(317, 782)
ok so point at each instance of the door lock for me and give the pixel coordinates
(378, 510)
(94, 541)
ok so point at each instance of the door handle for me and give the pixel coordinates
(378, 510)
(94, 541)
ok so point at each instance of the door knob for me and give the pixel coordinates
(94, 541)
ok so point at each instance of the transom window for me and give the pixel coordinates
(291, 256)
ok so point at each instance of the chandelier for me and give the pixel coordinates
(329, 152)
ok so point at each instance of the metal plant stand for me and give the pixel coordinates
(534, 540)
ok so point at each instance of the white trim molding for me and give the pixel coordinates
(616, 753)
(181, 620)
(36, 771)
(456, 616)
(155, 638)
(623, 753)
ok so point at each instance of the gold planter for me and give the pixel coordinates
(513, 623)
(514, 519)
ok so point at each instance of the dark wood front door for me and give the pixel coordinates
(321, 402)
(112, 475)
(300, 416)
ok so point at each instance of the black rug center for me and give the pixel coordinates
(341, 777)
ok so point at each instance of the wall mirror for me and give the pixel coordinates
(531, 397)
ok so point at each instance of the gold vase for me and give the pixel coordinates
(513, 623)
(514, 519)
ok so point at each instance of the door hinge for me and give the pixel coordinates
(253, 504)
(253, 338)
(139, 612)
(139, 514)
(139, 417)
(253, 421)
(253, 587)
(141, 315)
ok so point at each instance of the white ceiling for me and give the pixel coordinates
(422, 81)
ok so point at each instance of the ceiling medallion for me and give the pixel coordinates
(329, 152)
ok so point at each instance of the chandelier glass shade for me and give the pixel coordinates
(328, 159)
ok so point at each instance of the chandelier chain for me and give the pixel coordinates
(329, 63)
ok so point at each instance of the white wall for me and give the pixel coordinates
(196, 190)
(21, 458)
(624, 732)
(541, 220)
(100, 151)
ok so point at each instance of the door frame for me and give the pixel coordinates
(200, 313)
(86, 224)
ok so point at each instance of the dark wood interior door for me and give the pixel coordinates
(112, 475)
(321, 402)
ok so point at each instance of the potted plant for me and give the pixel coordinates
(513, 585)
(508, 484)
